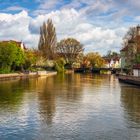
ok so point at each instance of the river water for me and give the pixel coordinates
(69, 107)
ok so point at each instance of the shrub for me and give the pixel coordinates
(59, 65)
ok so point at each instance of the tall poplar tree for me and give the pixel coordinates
(48, 41)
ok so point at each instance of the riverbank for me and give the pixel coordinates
(13, 76)
(129, 79)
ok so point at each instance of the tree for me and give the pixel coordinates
(137, 59)
(48, 42)
(59, 65)
(95, 60)
(111, 54)
(10, 55)
(130, 34)
(31, 56)
(69, 49)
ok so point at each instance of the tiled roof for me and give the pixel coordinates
(137, 66)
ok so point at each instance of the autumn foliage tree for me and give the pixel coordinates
(31, 57)
(95, 60)
(48, 41)
(69, 49)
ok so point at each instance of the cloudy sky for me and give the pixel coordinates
(98, 24)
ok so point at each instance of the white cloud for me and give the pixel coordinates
(14, 8)
(48, 4)
(15, 27)
(68, 23)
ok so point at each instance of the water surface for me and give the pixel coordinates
(69, 107)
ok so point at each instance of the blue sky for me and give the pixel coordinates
(98, 24)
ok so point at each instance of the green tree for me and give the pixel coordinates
(111, 54)
(137, 59)
(48, 41)
(69, 49)
(31, 57)
(59, 65)
(10, 54)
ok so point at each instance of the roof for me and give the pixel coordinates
(107, 59)
(137, 66)
(14, 41)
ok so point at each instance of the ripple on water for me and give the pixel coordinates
(71, 107)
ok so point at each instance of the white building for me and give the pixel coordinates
(136, 70)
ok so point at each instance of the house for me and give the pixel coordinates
(130, 50)
(19, 44)
(128, 54)
(114, 62)
(136, 70)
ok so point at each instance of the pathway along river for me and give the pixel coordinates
(69, 107)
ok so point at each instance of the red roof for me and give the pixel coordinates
(136, 66)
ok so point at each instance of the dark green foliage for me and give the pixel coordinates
(137, 59)
(11, 55)
(112, 55)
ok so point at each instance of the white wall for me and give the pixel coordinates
(136, 72)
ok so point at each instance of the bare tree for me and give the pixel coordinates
(69, 49)
(131, 33)
(48, 42)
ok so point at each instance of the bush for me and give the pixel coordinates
(5, 70)
(11, 55)
(59, 65)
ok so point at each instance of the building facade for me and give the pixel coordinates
(130, 51)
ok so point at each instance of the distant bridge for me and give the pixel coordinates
(96, 70)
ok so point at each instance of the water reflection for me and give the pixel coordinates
(53, 89)
(77, 106)
(11, 94)
(130, 98)
(46, 100)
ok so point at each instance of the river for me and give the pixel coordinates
(69, 107)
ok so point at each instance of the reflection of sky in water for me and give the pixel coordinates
(80, 107)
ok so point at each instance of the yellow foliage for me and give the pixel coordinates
(95, 60)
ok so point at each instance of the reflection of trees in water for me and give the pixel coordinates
(11, 93)
(55, 89)
(130, 98)
(96, 79)
(62, 88)
(46, 99)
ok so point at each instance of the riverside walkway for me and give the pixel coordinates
(13, 76)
